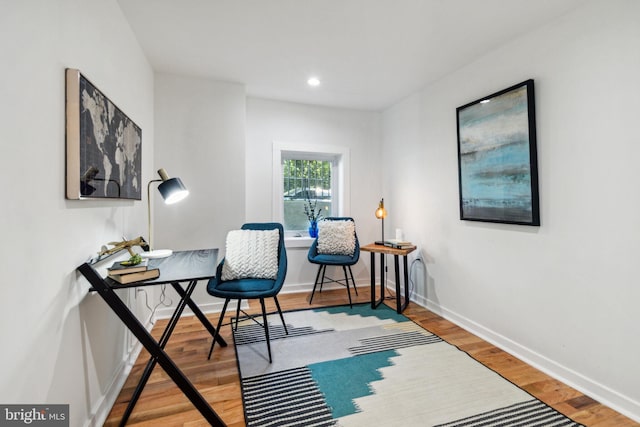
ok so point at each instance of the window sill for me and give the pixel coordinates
(298, 241)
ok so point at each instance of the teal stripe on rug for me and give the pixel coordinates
(343, 380)
(382, 312)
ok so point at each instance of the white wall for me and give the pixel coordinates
(200, 137)
(60, 345)
(359, 131)
(563, 296)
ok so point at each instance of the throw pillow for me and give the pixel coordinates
(251, 254)
(336, 237)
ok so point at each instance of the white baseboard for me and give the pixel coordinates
(212, 307)
(216, 305)
(603, 394)
(308, 288)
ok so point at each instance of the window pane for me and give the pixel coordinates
(305, 183)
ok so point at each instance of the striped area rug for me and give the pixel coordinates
(361, 367)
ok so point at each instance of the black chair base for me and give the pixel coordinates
(264, 323)
(344, 282)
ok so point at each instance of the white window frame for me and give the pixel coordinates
(340, 184)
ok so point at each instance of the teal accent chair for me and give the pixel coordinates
(246, 289)
(324, 260)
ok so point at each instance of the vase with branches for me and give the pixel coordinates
(314, 214)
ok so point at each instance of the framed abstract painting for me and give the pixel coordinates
(497, 159)
(104, 146)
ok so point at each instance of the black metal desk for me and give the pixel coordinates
(382, 250)
(182, 266)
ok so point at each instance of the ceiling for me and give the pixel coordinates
(368, 54)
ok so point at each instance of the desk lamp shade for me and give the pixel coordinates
(172, 191)
(381, 214)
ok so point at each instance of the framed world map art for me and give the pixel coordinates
(497, 159)
(104, 146)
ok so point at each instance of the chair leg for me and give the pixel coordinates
(324, 270)
(215, 336)
(315, 284)
(237, 314)
(353, 282)
(266, 327)
(286, 331)
(346, 279)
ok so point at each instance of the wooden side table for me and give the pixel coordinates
(385, 250)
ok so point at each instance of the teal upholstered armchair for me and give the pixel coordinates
(254, 267)
(336, 245)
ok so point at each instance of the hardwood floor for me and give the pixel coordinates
(163, 404)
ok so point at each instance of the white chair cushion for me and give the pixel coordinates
(336, 237)
(251, 254)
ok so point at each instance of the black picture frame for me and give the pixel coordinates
(103, 145)
(497, 157)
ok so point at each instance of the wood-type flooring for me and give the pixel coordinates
(163, 404)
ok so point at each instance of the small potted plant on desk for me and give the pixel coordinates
(314, 214)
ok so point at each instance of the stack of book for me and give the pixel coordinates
(398, 244)
(123, 273)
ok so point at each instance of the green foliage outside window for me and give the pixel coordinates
(305, 180)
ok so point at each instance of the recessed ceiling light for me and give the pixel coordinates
(313, 81)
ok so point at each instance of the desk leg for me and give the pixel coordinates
(196, 310)
(374, 303)
(400, 306)
(150, 344)
(164, 339)
(397, 271)
(406, 286)
(382, 276)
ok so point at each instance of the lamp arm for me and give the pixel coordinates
(149, 211)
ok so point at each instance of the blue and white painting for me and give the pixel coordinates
(498, 176)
